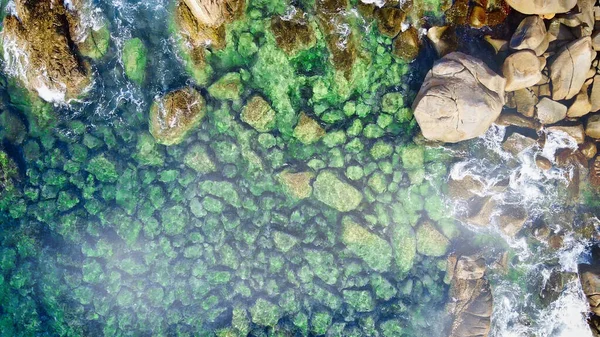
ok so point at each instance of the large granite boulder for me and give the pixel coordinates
(471, 301)
(175, 114)
(40, 48)
(569, 70)
(459, 100)
(542, 7)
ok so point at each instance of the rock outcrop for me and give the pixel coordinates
(175, 114)
(542, 7)
(459, 99)
(471, 297)
(40, 48)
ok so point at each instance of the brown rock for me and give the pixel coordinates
(569, 69)
(471, 301)
(513, 119)
(512, 220)
(588, 149)
(542, 7)
(294, 33)
(389, 20)
(596, 41)
(40, 47)
(296, 185)
(175, 114)
(595, 94)
(464, 188)
(595, 173)
(592, 127)
(460, 98)
(478, 17)
(308, 130)
(589, 276)
(581, 106)
(521, 70)
(407, 44)
(214, 13)
(443, 39)
(530, 34)
(481, 210)
(342, 47)
(517, 143)
(524, 100)
(576, 131)
(543, 163)
(550, 112)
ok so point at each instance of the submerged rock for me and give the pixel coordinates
(341, 43)
(258, 114)
(459, 100)
(135, 59)
(407, 44)
(471, 301)
(296, 185)
(335, 193)
(40, 48)
(430, 241)
(308, 130)
(375, 251)
(175, 114)
(294, 33)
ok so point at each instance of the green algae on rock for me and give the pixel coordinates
(258, 114)
(430, 241)
(135, 60)
(95, 45)
(335, 193)
(297, 185)
(375, 251)
(175, 114)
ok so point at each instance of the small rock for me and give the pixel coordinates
(550, 112)
(296, 185)
(524, 100)
(588, 149)
(430, 242)
(542, 7)
(335, 193)
(576, 131)
(308, 130)
(513, 119)
(543, 163)
(595, 94)
(481, 210)
(592, 128)
(530, 34)
(175, 114)
(512, 220)
(569, 69)
(258, 114)
(407, 45)
(443, 38)
(389, 20)
(228, 87)
(498, 45)
(517, 143)
(375, 251)
(581, 106)
(521, 70)
(465, 188)
(460, 98)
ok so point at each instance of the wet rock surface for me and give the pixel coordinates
(176, 114)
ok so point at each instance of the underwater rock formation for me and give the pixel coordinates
(175, 114)
(40, 48)
(459, 99)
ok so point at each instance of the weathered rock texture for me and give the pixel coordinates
(460, 98)
(40, 48)
(471, 297)
(569, 70)
(542, 7)
(175, 114)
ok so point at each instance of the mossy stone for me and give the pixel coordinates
(135, 60)
(375, 251)
(335, 193)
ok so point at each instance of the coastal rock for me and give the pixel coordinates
(530, 34)
(521, 70)
(389, 20)
(471, 300)
(589, 276)
(407, 44)
(542, 7)
(258, 114)
(581, 106)
(308, 130)
(443, 38)
(430, 241)
(592, 128)
(296, 185)
(524, 100)
(517, 143)
(175, 114)
(569, 70)
(459, 100)
(513, 119)
(331, 15)
(375, 251)
(294, 33)
(575, 131)
(335, 193)
(588, 149)
(135, 60)
(550, 112)
(40, 48)
(595, 94)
